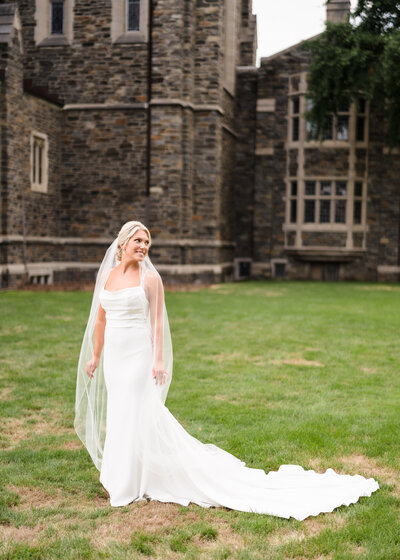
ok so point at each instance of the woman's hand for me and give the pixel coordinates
(160, 374)
(91, 366)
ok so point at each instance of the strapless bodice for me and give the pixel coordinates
(128, 307)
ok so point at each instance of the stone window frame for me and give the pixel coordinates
(43, 35)
(298, 88)
(39, 186)
(119, 17)
(230, 45)
(353, 196)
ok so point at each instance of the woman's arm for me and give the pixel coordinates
(98, 342)
(156, 298)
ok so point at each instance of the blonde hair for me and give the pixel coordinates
(126, 232)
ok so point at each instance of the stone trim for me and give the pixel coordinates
(108, 240)
(40, 268)
(390, 152)
(265, 151)
(101, 106)
(266, 105)
(322, 253)
(43, 36)
(133, 106)
(230, 41)
(260, 267)
(119, 32)
(243, 69)
(230, 130)
(387, 269)
(43, 186)
(266, 59)
(181, 269)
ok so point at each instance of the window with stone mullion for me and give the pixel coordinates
(337, 128)
(325, 201)
(38, 160)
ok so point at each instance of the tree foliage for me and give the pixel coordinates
(359, 58)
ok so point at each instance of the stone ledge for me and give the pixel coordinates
(34, 268)
(387, 269)
(102, 106)
(328, 254)
(183, 242)
(154, 103)
(264, 151)
(39, 268)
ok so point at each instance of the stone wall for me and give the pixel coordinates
(90, 96)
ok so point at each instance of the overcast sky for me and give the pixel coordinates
(282, 23)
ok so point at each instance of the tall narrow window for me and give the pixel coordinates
(295, 118)
(57, 17)
(293, 202)
(133, 15)
(358, 196)
(361, 117)
(39, 162)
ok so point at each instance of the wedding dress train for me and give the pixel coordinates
(148, 454)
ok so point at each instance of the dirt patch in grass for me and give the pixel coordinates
(310, 527)
(187, 287)
(72, 445)
(380, 288)
(31, 497)
(226, 537)
(369, 370)
(226, 357)
(155, 517)
(20, 534)
(297, 361)
(17, 430)
(369, 467)
(149, 517)
(5, 394)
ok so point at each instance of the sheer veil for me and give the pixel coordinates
(91, 393)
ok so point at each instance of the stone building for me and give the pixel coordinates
(113, 110)
(322, 209)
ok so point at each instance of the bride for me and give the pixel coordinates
(141, 451)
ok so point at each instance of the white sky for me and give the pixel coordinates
(282, 23)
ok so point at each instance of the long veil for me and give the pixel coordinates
(91, 393)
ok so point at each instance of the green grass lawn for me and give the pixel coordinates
(303, 373)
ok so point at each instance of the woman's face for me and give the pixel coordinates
(137, 246)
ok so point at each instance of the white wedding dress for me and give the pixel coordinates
(147, 453)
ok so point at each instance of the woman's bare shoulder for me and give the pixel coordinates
(151, 277)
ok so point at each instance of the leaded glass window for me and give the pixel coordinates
(133, 15)
(357, 208)
(57, 17)
(295, 118)
(39, 161)
(324, 201)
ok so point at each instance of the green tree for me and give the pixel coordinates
(359, 58)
